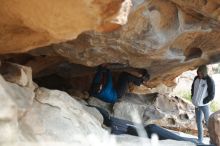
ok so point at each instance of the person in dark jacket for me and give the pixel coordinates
(102, 85)
(203, 92)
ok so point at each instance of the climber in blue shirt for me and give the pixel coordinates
(102, 84)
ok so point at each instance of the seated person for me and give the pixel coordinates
(102, 85)
(120, 126)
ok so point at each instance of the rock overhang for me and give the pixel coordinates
(165, 37)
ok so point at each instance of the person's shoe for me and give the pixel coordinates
(200, 142)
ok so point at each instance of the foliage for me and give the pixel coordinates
(214, 106)
(185, 94)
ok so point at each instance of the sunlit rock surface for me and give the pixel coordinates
(28, 24)
(165, 37)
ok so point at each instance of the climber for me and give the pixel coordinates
(102, 84)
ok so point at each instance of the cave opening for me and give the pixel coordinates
(71, 77)
(66, 77)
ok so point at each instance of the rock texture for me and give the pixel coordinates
(50, 106)
(167, 37)
(167, 111)
(214, 128)
(14, 73)
(39, 116)
(158, 109)
(28, 24)
(15, 101)
(22, 96)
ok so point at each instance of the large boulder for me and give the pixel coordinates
(17, 95)
(156, 108)
(56, 116)
(15, 101)
(8, 116)
(15, 73)
(214, 128)
(22, 97)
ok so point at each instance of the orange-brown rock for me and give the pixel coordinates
(28, 24)
(167, 37)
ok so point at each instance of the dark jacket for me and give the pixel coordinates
(210, 89)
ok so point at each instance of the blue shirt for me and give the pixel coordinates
(107, 93)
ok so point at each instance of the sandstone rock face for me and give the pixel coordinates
(28, 24)
(177, 35)
(214, 128)
(166, 37)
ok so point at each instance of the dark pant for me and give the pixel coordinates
(123, 83)
(161, 132)
(120, 126)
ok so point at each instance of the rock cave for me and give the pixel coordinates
(49, 51)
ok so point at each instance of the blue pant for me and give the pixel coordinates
(199, 110)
